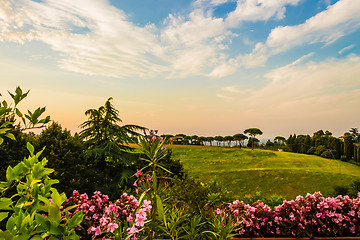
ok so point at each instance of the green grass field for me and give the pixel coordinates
(246, 172)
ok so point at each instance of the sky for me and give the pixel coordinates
(196, 67)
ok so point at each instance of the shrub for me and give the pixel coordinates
(310, 216)
(25, 203)
(120, 219)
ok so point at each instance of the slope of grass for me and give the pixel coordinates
(246, 172)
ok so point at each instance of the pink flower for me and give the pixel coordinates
(102, 221)
(133, 230)
(97, 230)
(129, 218)
(218, 211)
(147, 205)
(112, 226)
(140, 221)
(92, 208)
(138, 173)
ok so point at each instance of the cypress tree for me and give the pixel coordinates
(348, 147)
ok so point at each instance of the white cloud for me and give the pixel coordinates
(346, 48)
(302, 96)
(326, 27)
(293, 84)
(96, 38)
(253, 10)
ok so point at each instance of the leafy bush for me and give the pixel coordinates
(311, 150)
(272, 201)
(32, 214)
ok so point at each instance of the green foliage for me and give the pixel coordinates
(64, 153)
(351, 189)
(348, 147)
(25, 209)
(9, 113)
(223, 226)
(253, 132)
(321, 143)
(272, 201)
(196, 196)
(106, 140)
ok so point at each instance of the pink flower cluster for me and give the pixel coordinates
(104, 217)
(152, 138)
(310, 216)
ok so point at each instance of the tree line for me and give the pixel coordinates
(238, 138)
(324, 144)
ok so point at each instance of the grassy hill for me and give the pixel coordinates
(246, 172)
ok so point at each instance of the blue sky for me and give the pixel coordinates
(204, 67)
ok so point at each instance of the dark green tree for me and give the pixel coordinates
(253, 141)
(240, 138)
(194, 139)
(106, 140)
(64, 153)
(229, 139)
(219, 140)
(210, 140)
(253, 132)
(348, 147)
(355, 134)
(280, 140)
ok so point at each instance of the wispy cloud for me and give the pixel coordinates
(94, 37)
(326, 27)
(346, 48)
(297, 96)
(254, 10)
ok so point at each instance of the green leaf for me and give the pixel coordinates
(34, 181)
(23, 236)
(75, 220)
(160, 207)
(11, 136)
(5, 203)
(54, 212)
(44, 200)
(55, 229)
(154, 183)
(30, 148)
(10, 223)
(55, 196)
(9, 174)
(41, 220)
(38, 170)
(36, 237)
(5, 124)
(18, 112)
(4, 130)
(1, 140)
(3, 215)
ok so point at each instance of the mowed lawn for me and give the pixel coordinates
(246, 172)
